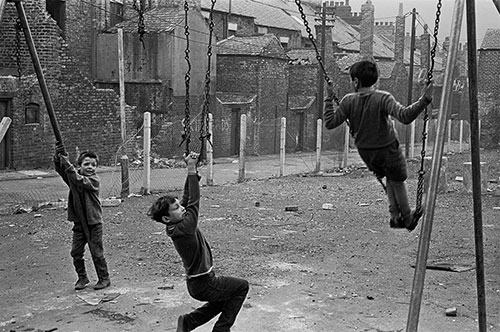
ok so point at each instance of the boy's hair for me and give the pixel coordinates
(365, 71)
(160, 208)
(86, 154)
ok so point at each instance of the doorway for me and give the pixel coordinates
(235, 131)
(5, 143)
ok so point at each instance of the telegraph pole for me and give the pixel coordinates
(408, 133)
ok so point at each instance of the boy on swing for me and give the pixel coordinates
(367, 111)
(224, 295)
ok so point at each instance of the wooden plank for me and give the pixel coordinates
(4, 126)
(2, 7)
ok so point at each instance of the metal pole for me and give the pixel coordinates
(319, 135)
(410, 80)
(321, 82)
(2, 7)
(282, 146)
(430, 202)
(39, 72)
(476, 162)
(146, 189)
(497, 4)
(121, 83)
(210, 151)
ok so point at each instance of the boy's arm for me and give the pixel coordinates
(409, 113)
(89, 183)
(333, 118)
(192, 192)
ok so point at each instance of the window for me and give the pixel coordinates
(116, 9)
(32, 113)
(284, 41)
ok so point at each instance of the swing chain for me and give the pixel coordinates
(186, 135)
(141, 26)
(318, 55)
(421, 172)
(204, 133)
(19, 28)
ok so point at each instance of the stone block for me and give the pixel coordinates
(467, 169)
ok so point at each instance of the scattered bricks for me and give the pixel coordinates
(452, 312)
(327, 206)
(292, 208)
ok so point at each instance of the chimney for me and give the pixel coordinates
(425, 48)
(366, 30)
(399, 37)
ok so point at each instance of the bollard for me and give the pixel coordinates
(467, 169)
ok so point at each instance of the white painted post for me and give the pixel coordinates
(121, 83)
(243, 141)
(146, 187)
(4, 126)
(210, 152)
(319, 135)
(282, 146)
(461, 138)
(412, 140)
(346, 146)
(449, 137)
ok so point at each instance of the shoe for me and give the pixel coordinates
(102, 284)
(182, 324)
(396, 222)
(412, 222)
(81, 283)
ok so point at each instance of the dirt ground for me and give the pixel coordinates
(316, 270)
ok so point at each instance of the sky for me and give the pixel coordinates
(487, 15)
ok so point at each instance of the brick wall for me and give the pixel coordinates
(88, 117)
(489, 71)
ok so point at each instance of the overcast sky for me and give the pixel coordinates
(487, 15)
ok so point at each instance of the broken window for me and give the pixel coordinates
(57, 10)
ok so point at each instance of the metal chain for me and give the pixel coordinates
(186, 135)
(204, 133)
(318, 55)
(141, 26)
(19, 28)
(421, 172)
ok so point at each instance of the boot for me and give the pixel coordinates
(102, 272)
(82, 274)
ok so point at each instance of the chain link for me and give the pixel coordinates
(318, 55)
(186, 135)
(19, 28)
(421, 172)
(141, 26)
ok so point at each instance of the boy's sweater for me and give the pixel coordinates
(368, 115)
(83, 199)
(188, 240)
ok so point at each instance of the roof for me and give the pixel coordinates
(280, 14)
(163, 19)
(265, 45)
(491, 40)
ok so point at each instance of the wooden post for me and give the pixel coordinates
(448, 149)
(4, 126)
(121, 82)
(210, 151)
(39, 72)
(476, 161)
(410, 80)
(430, 201)
(461, 136)
(319, 135)
(146, 187)
(2, 7)
(282, 146)
(412, 140)
(497, 4)
(243, 142)
(345, 158)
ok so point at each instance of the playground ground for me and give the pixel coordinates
(314, 269)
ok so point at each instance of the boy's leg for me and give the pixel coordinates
(393, 204)
(400, 196)
(224, 295)
(97, 251)
(77, 252)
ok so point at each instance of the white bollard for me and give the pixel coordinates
(468, 176)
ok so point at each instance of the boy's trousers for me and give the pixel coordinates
(224, 295)
(96, 250)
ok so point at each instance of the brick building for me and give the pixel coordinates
(89, 118)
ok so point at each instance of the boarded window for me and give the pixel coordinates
(32, 113)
